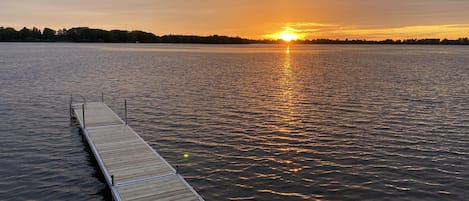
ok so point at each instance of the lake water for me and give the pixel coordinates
(259, 122)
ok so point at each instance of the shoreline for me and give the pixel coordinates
(254, 43)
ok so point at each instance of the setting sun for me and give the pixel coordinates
(287, 36)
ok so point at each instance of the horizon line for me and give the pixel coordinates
(346, 39)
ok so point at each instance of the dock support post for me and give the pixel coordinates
(125, 108)
(71, 99)
(83, 110)
(102, 97)
(112, 180)
(177, 169)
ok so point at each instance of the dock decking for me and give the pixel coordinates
(132, 169)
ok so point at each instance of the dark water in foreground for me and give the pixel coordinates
(322, 122)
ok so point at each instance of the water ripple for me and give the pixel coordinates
(320, 123)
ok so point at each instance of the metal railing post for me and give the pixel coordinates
(83, 110)
(71, 106)
(125, 108)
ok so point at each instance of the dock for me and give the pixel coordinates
(133, 170)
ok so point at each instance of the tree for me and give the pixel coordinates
(117, 36)
(25, 34)
(9, 34)
(36, 34)
(48, 34)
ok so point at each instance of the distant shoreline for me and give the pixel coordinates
(259, 43)
(90, 35)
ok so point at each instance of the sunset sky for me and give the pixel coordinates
(353, 19)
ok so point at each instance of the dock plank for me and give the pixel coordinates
(170, 188)
(97, 114)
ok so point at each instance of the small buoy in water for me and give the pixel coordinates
(186, 155)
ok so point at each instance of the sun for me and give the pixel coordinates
(287, 36)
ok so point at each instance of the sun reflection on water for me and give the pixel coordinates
(288, 111)
(287, 93)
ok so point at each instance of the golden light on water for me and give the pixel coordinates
(295, 170)
(286, 98)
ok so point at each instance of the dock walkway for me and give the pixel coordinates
(132, 169)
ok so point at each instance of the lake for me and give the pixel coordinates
(258, 122)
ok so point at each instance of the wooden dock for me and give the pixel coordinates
(132, 169)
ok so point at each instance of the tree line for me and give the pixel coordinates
(426, 41)
(85, 34)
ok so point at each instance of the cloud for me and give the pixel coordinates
(311, 30)
(416, 31)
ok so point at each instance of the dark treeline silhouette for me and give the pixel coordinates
(85, 34)
(427, 41)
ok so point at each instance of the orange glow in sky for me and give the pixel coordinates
(287, 35)
(277, 19)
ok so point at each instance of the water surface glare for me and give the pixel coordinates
(245, 122)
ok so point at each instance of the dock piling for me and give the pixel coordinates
(70, 106)
(125, 108)
(83, 109)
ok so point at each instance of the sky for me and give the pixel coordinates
(257, 19)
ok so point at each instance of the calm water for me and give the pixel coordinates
(322, 122)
